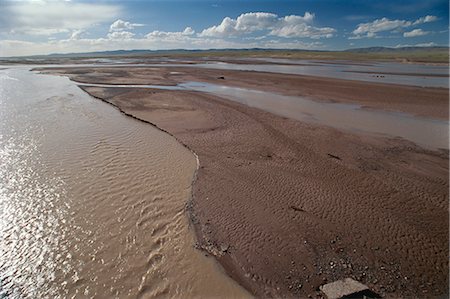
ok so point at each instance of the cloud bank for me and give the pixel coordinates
(57, 26)
(270, 24)
(51, 17)
(254, 29)
(370, 29)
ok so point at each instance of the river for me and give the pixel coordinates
(92, 202)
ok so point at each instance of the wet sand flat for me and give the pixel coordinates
(287, 206)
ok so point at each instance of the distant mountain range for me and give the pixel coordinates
(399, 49)
(183, 51)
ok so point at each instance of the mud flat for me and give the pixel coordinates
(287, 206)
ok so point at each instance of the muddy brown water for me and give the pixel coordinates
(92, 202)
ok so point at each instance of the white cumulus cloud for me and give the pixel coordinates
(120, 25)
(415, 32)
(120, 35)
(249, 22)
(426, 19)
(272, 24)
(371, 29)
(296, 26)
(77, 34)
(188, 31)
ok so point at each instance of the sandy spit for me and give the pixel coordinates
(286, 207)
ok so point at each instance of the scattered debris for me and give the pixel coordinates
(347, 288)
(333, 156)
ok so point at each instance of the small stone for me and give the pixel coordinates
(224, 248)
(342, 288)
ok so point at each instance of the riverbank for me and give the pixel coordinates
(287, 206)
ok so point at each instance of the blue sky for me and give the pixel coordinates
(43, 26)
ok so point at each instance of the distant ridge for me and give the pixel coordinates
(399, 49)
(184, 51)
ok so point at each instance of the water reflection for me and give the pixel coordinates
(33, 204)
